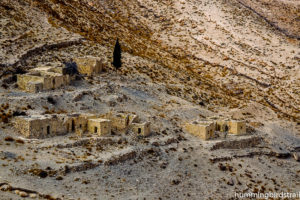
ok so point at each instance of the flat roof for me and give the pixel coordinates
(36, 117)
(202, 122)
(141, 124)
(99, 120)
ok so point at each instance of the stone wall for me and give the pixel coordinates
(222, 125)
(23, 126)
(34, 87)
(24, 79)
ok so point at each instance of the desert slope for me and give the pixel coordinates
(182, 60)
(232, 50)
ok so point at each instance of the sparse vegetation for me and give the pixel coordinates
(117, 55)
(178, 63)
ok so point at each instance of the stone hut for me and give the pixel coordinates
(43, 126)
(43, 78)
(89, 65)
(99, 126)
(40, 126)
(30, 83)
(77, 123)
(203, 129)
(142, 129)
(237, 127)
(121, 121)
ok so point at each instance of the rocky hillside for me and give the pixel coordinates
(182, 60)
(283, 15)
(230, 54)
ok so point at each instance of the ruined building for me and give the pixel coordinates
(99, 126)
(43, 126)
(237, 127)
(123, 122)
(89, 65)
(43, 78)
(203, 129)
(142, 129)
(206, 129)
(56, 75)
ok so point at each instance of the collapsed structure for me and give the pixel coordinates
(57, 75)
(206, 129)
(43, 126)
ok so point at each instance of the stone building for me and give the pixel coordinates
(89, 65)
(203, 129)
(121, 121)
(43, 126)
(142, 129)
(231, 126)
(56, 75)
(40, 126)
(237, 127)
(99, 126)
(206, 129)
(222, 125)
(43, 78)
(78, 123)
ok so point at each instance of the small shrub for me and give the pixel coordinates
(4, 118)
(20, 141)
(19, 113)
(70, 68)
(9, 139)
(51, 100)
(4, 86)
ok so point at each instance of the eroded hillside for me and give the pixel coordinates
(182, 60)
(236, 55)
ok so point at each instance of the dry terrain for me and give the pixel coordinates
(182, 60)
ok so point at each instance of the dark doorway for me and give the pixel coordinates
(73, 125)
(139, 130)
(53, 81)
(48, 130)
(96, 129)
(226, 128)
